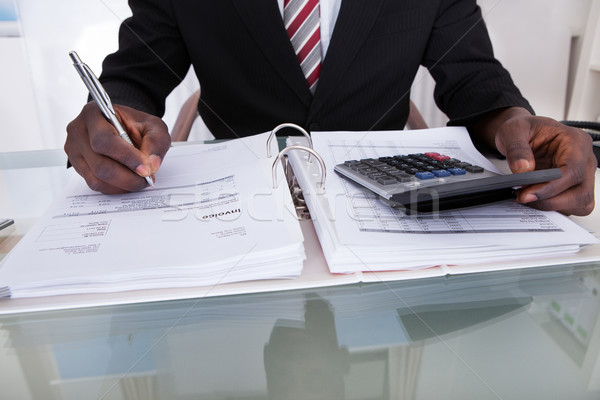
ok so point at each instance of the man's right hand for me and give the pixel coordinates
(107, 162)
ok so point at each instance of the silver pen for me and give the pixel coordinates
(101, 98)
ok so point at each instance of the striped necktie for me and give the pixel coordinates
(302, 23)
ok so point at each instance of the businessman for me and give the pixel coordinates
(333, 65)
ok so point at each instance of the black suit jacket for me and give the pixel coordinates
(251, 81)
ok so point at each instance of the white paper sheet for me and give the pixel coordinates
(212, 217)
(359, 232)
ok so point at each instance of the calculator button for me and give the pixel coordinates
(372, 162)
(424, 175)
(457, 171)
(387, 180)
(423, 158)
(440, 173)
(376, 175)
(474, 169)
(358, 166)
(402, 176)
(366, 171)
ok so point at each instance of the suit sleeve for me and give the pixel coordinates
(151, 60)
(469, 80)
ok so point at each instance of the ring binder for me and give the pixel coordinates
(297, 196)
(351, 238)
(304, 148)
(287, 125)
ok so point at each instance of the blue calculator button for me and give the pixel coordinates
(457, 171)
(440, 173)
(425, 175)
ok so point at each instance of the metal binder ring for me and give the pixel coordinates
(299, 147)
(287, 125)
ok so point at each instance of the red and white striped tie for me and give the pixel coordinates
(302, 22)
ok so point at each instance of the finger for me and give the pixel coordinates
(562, 194)
(512, 140)
(517, 149)
(102, 183)
(152, 134)
(572, 153)
(110, 172)
(100, 172)
(106, 161)
(572, 202)
(570, 177)
(104, 140)
(156, 141)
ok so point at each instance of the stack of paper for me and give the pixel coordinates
(359, 232)
(213, 217)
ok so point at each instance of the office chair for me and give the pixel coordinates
(185, 119)
(189, 113)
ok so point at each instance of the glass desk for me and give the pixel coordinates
(523, 334)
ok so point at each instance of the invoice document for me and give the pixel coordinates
(212, 217)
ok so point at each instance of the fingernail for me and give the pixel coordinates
(155, 161)
(528, 198)
(521, 165)
(143, 170)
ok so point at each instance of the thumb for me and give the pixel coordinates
(518, 152)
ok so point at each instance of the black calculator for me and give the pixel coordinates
(430, 182)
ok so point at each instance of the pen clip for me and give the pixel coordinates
(93, 85)
(103, 96)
